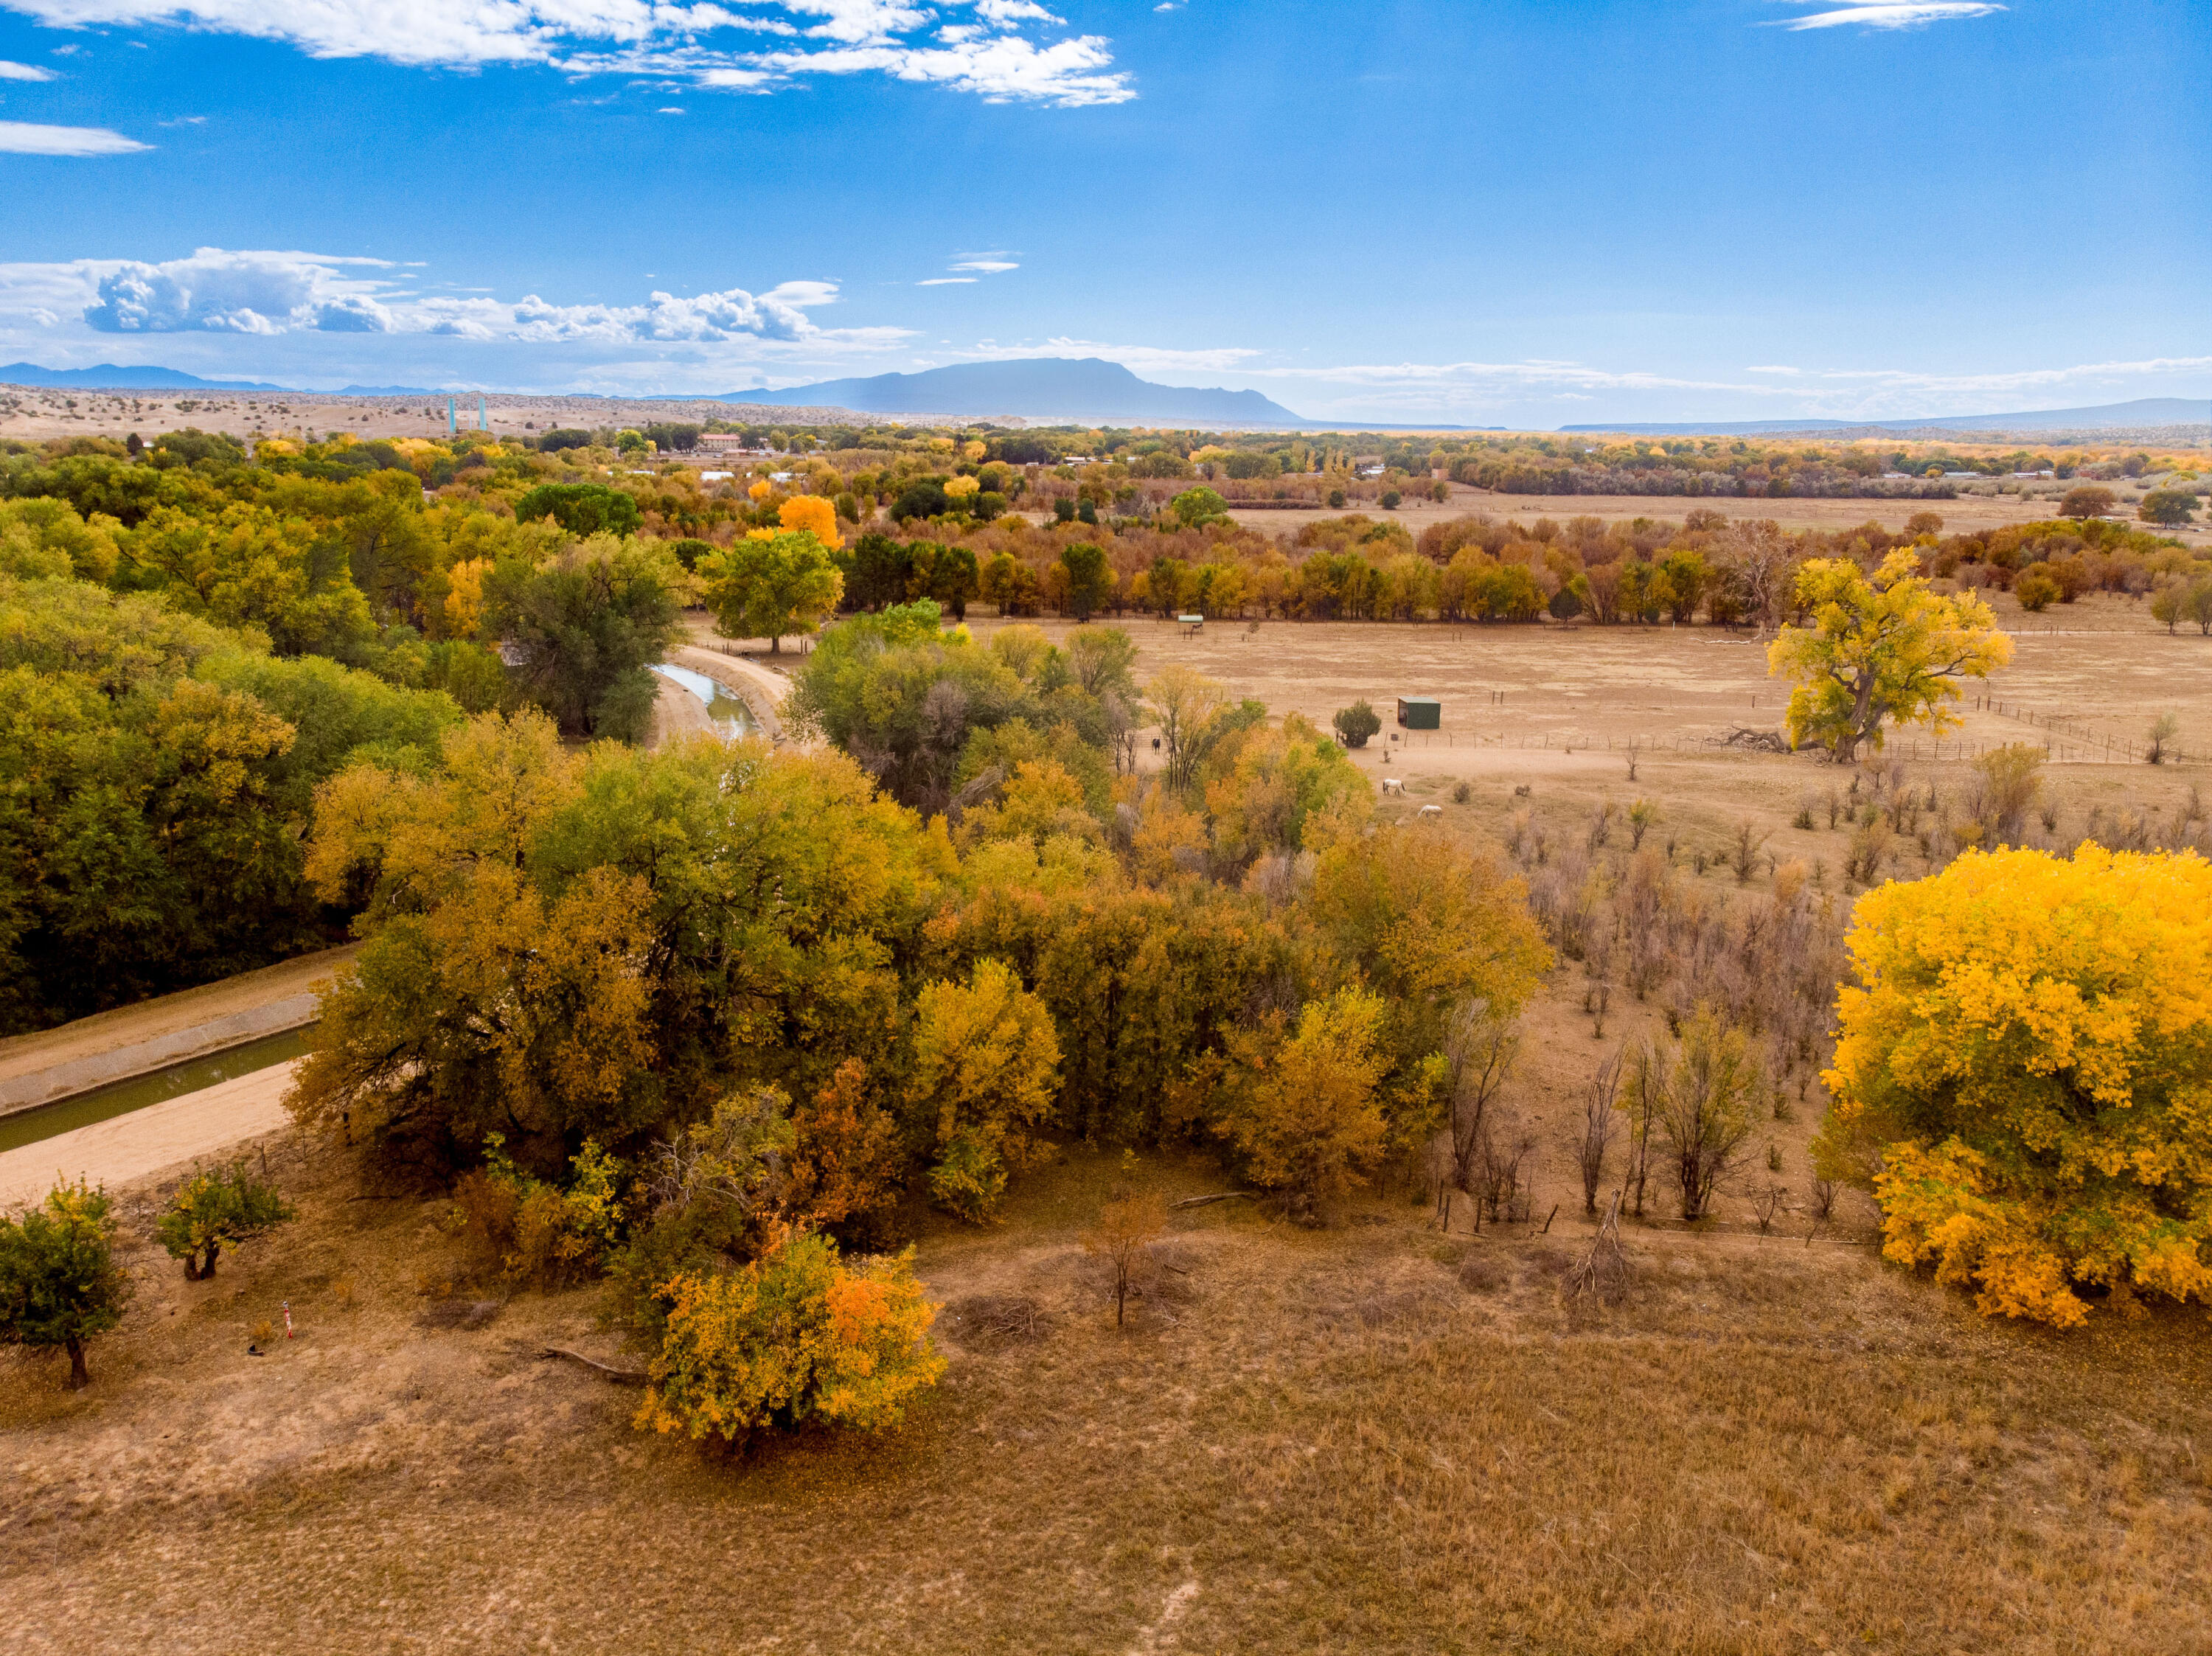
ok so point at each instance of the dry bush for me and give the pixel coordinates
(1482, 1272)
(988, 1323)
(458, 1313)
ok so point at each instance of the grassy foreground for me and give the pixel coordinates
(1372, 1439)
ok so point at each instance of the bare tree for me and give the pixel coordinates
(1765, 1203)
(1760, 559)
(1479, 1048)
(1128, 1226)
(1598, 1123)
(1644, 1077)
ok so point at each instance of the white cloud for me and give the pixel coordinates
(996, 55)
(28, 138)
(990, 266)
(269, 294)
(1879, 14)
(1138, 359)
(1836, 394)
(23, 71)
(947, 281)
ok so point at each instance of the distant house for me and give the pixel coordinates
(1420, 712)
(723, 442)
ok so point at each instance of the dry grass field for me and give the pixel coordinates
(1371, 1439)
(1374, 1438)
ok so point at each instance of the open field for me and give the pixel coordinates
(1966, 513)
(1374, 1439)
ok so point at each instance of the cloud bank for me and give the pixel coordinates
(996, 50)
(269, 293)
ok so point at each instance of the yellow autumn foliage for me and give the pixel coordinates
(812, 511)
(2024, 1076)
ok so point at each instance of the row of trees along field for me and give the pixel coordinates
(1476, 567)
(692, 1020)
(1309, 466)
(345, 594)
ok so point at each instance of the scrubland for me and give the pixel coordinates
(1370, 1438)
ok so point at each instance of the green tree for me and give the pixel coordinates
(1880, 650)
(1357, 724)
(60, 1283)
(2086, 500)
(582, 508)
(769, 585)
(583, 630)
(2036, 591)
(1090, 578)
(1196, 507)
(216, 1209)
(1701, 1094)
(2168, 506)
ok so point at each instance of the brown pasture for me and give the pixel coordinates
(1372, 1439)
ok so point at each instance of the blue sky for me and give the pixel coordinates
(1491, 213)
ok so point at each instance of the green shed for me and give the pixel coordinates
(1420, 712)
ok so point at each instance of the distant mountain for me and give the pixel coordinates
(2109, 416)
(108, 376)
(1037, 387)
(383, 390)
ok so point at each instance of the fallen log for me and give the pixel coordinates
(1218, 1196)
(619, 1376)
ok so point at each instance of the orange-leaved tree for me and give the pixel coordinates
(2024, 1076)
(796, 1335)
(813, 513)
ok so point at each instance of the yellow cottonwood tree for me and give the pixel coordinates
(986, 1064)
(2024, 1076)
(1303, 1105)
(1881, 649)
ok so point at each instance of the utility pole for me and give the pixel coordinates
(452, 425)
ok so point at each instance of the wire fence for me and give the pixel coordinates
(2058, 746)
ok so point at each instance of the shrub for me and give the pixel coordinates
(1356, 724)
(59, 1284)
(2019, 1079)
(2036, 591)
(214, 1210)
(794, 1337)
(532, 1231)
